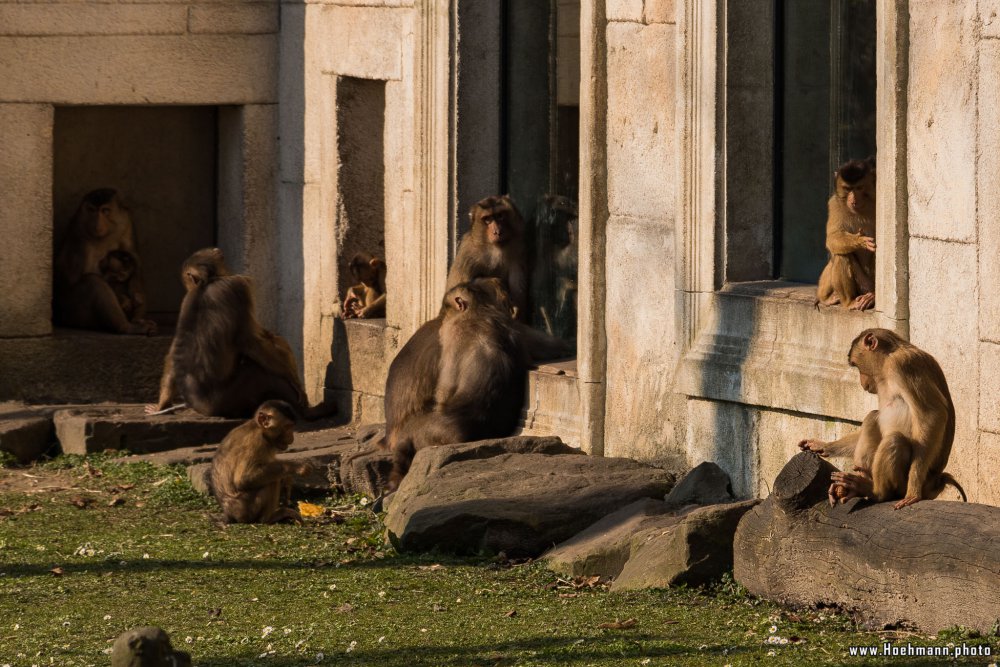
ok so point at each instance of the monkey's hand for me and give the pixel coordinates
(352, 307)
(814, 446)
(863, 302)
(908, 500)
(867, 243)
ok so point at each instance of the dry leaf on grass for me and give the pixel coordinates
(57, 571)
(619, 625)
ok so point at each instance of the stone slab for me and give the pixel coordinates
(705, 484)
(694, 551)
(88, 430)
(26, 435)
(517, 495)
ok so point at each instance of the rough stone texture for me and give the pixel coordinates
(25, 433)
(945, 327)
(244, 18)
(705, 484)
(127, 69)
(359, 365)
(515, 495)
(941, 120)
(886, 564)
(660, 11)
(643, 138)
(26, 218)
(695, 551)
(988, 186)
(989, 460)
(641, 339)
(83, 431)
(378, 29)
(553, 404)
(603, 548)
(92, 19)
(989, 398)
(989, 14)
(82, 367)
(624, 10)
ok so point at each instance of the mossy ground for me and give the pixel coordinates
(90, 548)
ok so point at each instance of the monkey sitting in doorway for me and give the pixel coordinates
(367, 298)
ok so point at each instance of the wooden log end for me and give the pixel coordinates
(803, 482)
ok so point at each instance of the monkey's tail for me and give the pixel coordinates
(947, 478)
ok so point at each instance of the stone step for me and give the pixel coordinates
(75, 366)
(26, 432)
(85, 430)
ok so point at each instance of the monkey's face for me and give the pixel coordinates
(497, 219)
(203, 267)
(497, 226)
(278, 429)
(866, 362)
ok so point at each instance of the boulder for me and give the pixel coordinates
(705, 484)
(26, 438)
(517, 495)
(693, 549)
(603, 548)
(365, 471)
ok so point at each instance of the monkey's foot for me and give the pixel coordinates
(908, 500)
(847, 485)
(864, 302)
(814, 446)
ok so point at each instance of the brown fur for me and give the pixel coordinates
(902, 448)
(222, 362)
(367, 298)
(82, 298)
(247, 478)
(849, 277)
(460, 378)
(118, 270)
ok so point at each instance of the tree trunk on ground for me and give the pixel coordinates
(932, 565)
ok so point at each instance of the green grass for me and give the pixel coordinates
(154, 554)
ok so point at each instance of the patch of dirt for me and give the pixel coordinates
(31, 481)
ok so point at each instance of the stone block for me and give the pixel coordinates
(81, 367)
(79, 18)
(941, 120)
(361, 41)
(641, 150)
(989, 463)
(989, 14)
(624, 10)
(988, 185)
(26, 218)
(252, 18)
(705, 484)
(642, 404)
(359, 361)
(604, 548)
(89, 430)
(134, 69)
(553, 406)
(989, 397)
(695, 551)
(660, 11)
(26, 435)
(486, 496)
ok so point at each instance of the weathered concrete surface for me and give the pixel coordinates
(605, 547)
(88, 430)
(25, 432)
(517, 495)
(74, 366)
(694, 550)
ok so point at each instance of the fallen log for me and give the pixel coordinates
(932, 565)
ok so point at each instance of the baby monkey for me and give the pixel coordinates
(118, 268)
(367, 298)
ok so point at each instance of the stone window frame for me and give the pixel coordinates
(763, 343)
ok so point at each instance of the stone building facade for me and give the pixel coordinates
(331, 126)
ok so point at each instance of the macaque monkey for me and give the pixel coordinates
(248, 480)
(147, 647)
(468, 386)
(849, 276)
(118, 268)
(902, 448)
(82, 298)
(367, 298)
(222, 362)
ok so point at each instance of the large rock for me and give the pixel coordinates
(25, 433)
(605, 547)
(517, 495)
(705, 484)
(88, 430)
(694, 549)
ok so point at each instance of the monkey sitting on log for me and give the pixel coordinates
(494, 248)
(367, 298)
(247, 478)
(849, 276)
(222, 362)
(902, 448)
(81, 296)
(460, 378)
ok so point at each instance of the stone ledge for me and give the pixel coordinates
(89, 430)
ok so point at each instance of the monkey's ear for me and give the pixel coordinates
(375, 262)
(871, 342)
(461, 304)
